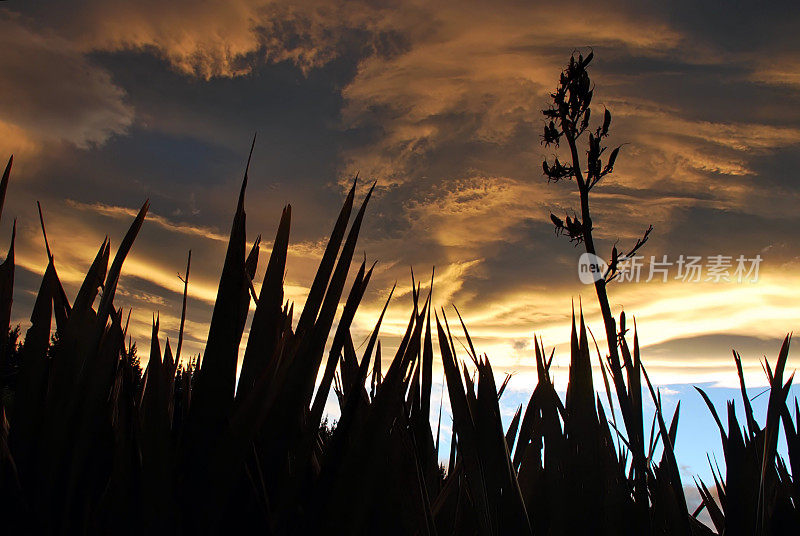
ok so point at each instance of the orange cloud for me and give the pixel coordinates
(453, 91)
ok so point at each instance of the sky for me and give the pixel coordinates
(105, 104)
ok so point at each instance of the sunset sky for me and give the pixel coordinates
(107, 103)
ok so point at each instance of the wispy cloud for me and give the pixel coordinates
(440, 102)
(51, 92)
(117, 211)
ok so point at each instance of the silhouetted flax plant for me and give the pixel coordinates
(90, 445)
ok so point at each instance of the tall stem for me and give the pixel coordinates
(634, 435)
(600, 284)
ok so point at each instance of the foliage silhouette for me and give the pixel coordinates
(90, 445)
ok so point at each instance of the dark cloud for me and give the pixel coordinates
(52, 93)
(716, 347)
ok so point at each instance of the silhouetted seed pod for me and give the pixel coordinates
(606, 122)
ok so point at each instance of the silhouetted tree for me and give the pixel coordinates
(10, 353)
